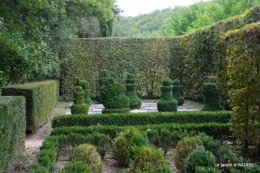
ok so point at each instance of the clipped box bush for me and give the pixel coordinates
(122, 147)
(176, 92)
(211, 94)
(113, 98)
(85, 85)
(12, 131)
(149, 159)
(122, 119)
(135, 101)
(87, 153)
(218, 130)
(183, 149)
(167, 103)
(102, 79)
(41, 98)
(79, 107)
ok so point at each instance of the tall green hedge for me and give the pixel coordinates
(12, 131)
(41, 98)
(243, 52)
(120, 56)
(191, 58)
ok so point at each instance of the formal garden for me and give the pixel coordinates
(217, 67)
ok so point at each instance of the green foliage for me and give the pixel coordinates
(201, 169)
(123, 119)
(243, 72)
(199, 157)
(112, 96)
(211, 94)
(218, 130)
(122, 147)
(149, 159)
(135, 101)
(79, 107)
(185, 20)
(76, 167)
(33, 32)
(183, 149)
(85, 85)
(102, 79)
(209, 143)
(88, 57)
(143, 25)
(167, 103)
(87, 154)
(41, 98)
(176, 92)
(12, 131)
(52, 146)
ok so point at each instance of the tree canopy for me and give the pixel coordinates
(33, 31)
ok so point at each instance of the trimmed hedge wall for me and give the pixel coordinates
(190, 58)
(41, 98)
(214, 129)
(142, 118)
(243, 52)
(12, 131)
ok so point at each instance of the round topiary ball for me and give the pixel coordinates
(123, 144)
(149, 159)
(88, 154)
(167, 82)
(183, 149)
(176, 82)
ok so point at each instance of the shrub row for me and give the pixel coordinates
(218, 130)
(12, 131)
(41, 98)
(52, 146)
(199, 54)
(142, 118)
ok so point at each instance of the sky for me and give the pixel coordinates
(136, 7)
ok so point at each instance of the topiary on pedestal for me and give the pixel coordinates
(79, 107)
(211, 100)
(85, 85)
(112, 97)
(167, 103)
(176, 92)
(135, 101)
(102, 79)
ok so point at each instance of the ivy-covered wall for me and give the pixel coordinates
(193, 59)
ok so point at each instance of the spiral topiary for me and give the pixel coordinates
(112, 97)
(135, 101)
(102, 79)
(211, 100)
(167, 103)
(79, 107)
(176, 92)
(85, 85)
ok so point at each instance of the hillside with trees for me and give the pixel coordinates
(180, 20)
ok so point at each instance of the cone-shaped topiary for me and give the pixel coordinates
(135, 101)
(102, 79)
(176, 92)
(79, 107)
(112, 97)
(167, 103)
(211, 100)
(85, 85)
